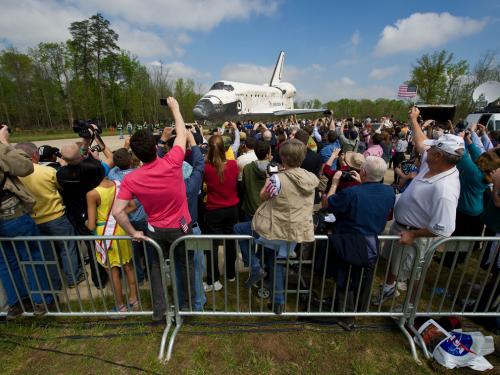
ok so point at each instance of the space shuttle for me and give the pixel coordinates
(228, 100)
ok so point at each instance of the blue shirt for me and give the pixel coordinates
(106, 168)
(117, 174)
(472, 183)
(363, 208)
(193, 182)
(327, 151)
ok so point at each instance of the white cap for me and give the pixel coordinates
(448, 143)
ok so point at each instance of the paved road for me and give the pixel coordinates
(112, 141)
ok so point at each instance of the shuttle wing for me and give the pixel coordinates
(298, 111)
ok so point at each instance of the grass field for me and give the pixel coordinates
(208, 346)
(46, 134)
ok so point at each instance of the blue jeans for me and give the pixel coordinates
(199, 267)
(68, 250)
(140, 253)
(15, 287)
(273, 250)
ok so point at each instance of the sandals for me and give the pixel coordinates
(134, 306)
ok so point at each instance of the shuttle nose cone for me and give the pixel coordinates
(203, 109)
(198, 112)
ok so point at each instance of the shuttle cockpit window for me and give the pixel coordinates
(217, 86)
(221, 86)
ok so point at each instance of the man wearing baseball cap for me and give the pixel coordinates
(427, 208)
(48, 156)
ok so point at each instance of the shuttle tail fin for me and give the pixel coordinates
(278, 69)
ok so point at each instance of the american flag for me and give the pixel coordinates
(407, 91)
(184, 225)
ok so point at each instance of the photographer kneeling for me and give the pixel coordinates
(279, 224)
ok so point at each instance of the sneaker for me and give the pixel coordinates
(385, 293)
(402, 286)
(39, 309)
(216, 286)
(14, 311)
(80, 280)
(254, 277)
(232, 280)
(278, 308)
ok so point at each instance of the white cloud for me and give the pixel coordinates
(148, 28)
(355, 38)
(178, 69)
(380, 73)
(181, 14)
(258, 74)
(347, 81)
(144, 44)
(25, 23)
(422, 30)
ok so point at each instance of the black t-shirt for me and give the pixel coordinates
(312, 162)
(75, 182)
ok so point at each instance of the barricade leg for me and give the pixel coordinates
(178, 325)
(401, 325)
(164, 339)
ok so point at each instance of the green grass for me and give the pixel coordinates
(45, 134)
(83, 346)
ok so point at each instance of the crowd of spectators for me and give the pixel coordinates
(260, 179)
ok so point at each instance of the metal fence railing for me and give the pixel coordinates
(60, 276)
(311, 282)
(461, 277)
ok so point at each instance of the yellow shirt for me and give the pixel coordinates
(42, 183)
(230, 154)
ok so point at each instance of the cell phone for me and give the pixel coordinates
(163, 101)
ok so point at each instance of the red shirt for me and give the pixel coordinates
(221, 195)
(159, 186)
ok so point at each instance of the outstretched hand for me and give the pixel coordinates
(173, 104)
(413, 113)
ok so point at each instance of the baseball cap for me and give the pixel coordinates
(448, 143)
(227, 141)
(354, 159)
(46, 152)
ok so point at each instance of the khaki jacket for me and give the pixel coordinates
(16, 163)
(289, 215)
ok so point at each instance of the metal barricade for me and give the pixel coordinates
(461, 277)
(60, 276)
(315, 283)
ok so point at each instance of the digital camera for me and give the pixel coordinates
(84, 128)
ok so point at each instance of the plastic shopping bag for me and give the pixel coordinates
(456, 348)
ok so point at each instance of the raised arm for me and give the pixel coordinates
(180, 127)
(418, 135)
(12, 161)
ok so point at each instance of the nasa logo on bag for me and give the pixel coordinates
(457, 345)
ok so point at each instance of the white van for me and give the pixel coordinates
(490, 120)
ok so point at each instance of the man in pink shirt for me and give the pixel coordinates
(159, 186)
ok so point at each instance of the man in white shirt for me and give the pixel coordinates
(427, 208)
(248, 157)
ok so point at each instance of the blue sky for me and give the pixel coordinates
(334, 49)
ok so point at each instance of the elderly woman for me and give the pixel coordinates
(283, 219)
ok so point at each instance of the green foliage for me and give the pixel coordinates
(89, 76)
(374, 108)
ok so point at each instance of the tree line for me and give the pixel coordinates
(88, 77)
(91, 77)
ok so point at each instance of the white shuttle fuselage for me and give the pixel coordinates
(229, 100)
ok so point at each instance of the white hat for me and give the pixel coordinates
(448, 143)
